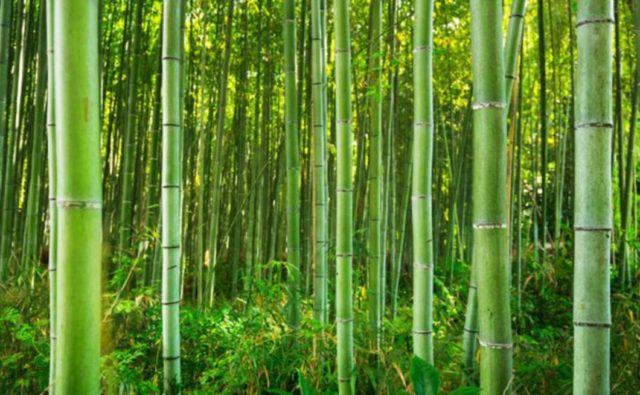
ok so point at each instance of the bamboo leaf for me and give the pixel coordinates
(425, 378)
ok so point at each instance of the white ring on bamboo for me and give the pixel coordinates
(488, 104)
(495, 346)
(79, 204)
(422, 48)
(490, 226)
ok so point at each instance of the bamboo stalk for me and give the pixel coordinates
(344, 192)
(421, 196)
(79, 196)
(172, 127)
(593, 197)
(490, 252)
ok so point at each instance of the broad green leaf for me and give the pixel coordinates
(425, 378)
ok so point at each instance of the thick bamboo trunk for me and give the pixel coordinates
(376, 177)
(171, 193)
(421, 198)
(344, 192)
(593, 198)
(293, 162)
(79, 196)
(319, 122)
(53, 216)
(510, 54)
(490, 253)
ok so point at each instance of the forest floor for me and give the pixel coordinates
(239, 347)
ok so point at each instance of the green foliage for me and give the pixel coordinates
(426, 380)
(24, 356)
(425, 377)
(305, 387)
(239, 346)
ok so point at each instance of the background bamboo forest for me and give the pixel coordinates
(279, 196)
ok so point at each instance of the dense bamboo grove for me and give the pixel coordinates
(314, 196)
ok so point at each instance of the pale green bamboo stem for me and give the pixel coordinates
(171, 193)
(319, 120)
(512, 46)
(78, 196)
(376, 176)
(510, 54)
(293, 162)
(53, 216)
(593, 198)
(344, 192)
(490, 252)
(421, 182)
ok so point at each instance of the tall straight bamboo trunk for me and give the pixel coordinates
(171, 192)
(512, 46)
(490, 252)
(344, 192)
(389, 190)
(593, 198)
(389, 240)
(203, 140)
(293, 162)
(542, 103)
(79, 196)
(152, 182)
(12, 113)
(319, 122)
(127, 172)
(5, 37)
(53, 216)
(421, 182)
(511, 52)
(217, 155)
(32, 215)
(376, 177)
